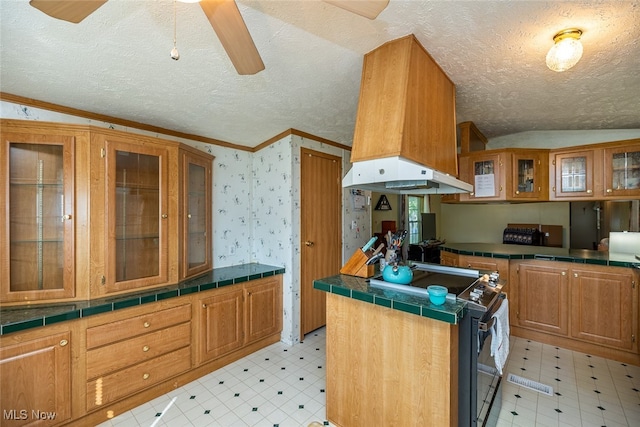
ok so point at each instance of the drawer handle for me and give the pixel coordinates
(145, 376)
(146, 324)
(145, 348)
(63, 343)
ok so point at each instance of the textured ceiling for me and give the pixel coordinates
(116, 62)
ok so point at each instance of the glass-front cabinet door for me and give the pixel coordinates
(136, 215)
(196, 250)
(528, 180)
(486, 172)
(574, 174)
(622, 170)
(38, 231)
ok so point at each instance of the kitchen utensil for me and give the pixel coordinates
(437, 294)
(370, 243)
(400, 274)
(378, 249)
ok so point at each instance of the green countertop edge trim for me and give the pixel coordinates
(577, 260)
(173, 291)
(407, 307)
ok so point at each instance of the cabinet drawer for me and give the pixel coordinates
(129, 352)
(108, 389)
(127, 328)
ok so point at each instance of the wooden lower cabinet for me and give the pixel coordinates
(36, 380)
(604, 307)
(543, 298)
(157, 346)
(587, 308)
(240, 315)
(88, 370)
(449, 259)
(263, 302)
(220, 323)
(500, 265)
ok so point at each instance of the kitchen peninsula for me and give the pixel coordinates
(386, 354)
(582, 300)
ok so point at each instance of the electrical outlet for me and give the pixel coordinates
(232, 250)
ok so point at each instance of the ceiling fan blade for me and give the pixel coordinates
(367, 8)
(69, 10)
(226, 20)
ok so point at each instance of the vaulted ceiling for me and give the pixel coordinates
(116, 62)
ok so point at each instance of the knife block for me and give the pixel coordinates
(357, 265)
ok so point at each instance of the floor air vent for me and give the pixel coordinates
(531, 385)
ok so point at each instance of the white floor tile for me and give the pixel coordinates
(271, 392)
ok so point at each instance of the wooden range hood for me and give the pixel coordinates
(406, 108)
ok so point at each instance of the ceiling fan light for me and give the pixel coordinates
(566, 50)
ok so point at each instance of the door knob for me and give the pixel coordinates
(308, 243)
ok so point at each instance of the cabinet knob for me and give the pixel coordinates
(145, 348)
(189, 216)
(517, 191)
(554, 188)
(609, 190)
(66, 217)
(146, 324)
(589, 191)
(165, 216)
(146, 376)
(308, 243)
(564, 273)
(472, 194)
(501, 188)
(575, 274)
(63, 343)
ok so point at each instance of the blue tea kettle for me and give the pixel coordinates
(400, 274)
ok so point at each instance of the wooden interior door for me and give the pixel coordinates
(321, 232)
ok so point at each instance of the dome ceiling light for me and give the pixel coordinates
(566, 50)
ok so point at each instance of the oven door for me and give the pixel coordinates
(488, 398)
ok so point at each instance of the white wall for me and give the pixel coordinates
(560, 138)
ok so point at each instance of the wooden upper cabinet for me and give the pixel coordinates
(134, 213)
(406, 108)
(529, 178)
(622, 169)
(485, 170)
(572, 174)
(38, 232)
(195, 212)
(505, 175)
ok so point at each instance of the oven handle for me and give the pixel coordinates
(486, 326)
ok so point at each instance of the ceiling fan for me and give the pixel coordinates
(224, 16)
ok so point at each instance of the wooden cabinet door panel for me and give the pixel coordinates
(263, 313)
(36, 376)
(123, 329)
(221, 324)
(485, 263)
(101, 361)
(125, 382)
(602, 308)
(543, 294)
(449, 259)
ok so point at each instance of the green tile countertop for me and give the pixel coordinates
(584, 256)
(20, 318)
(359, 289)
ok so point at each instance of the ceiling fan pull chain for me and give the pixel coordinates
(174, 52)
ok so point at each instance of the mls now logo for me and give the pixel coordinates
(23, 414)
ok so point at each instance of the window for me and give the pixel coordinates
(415, 208)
